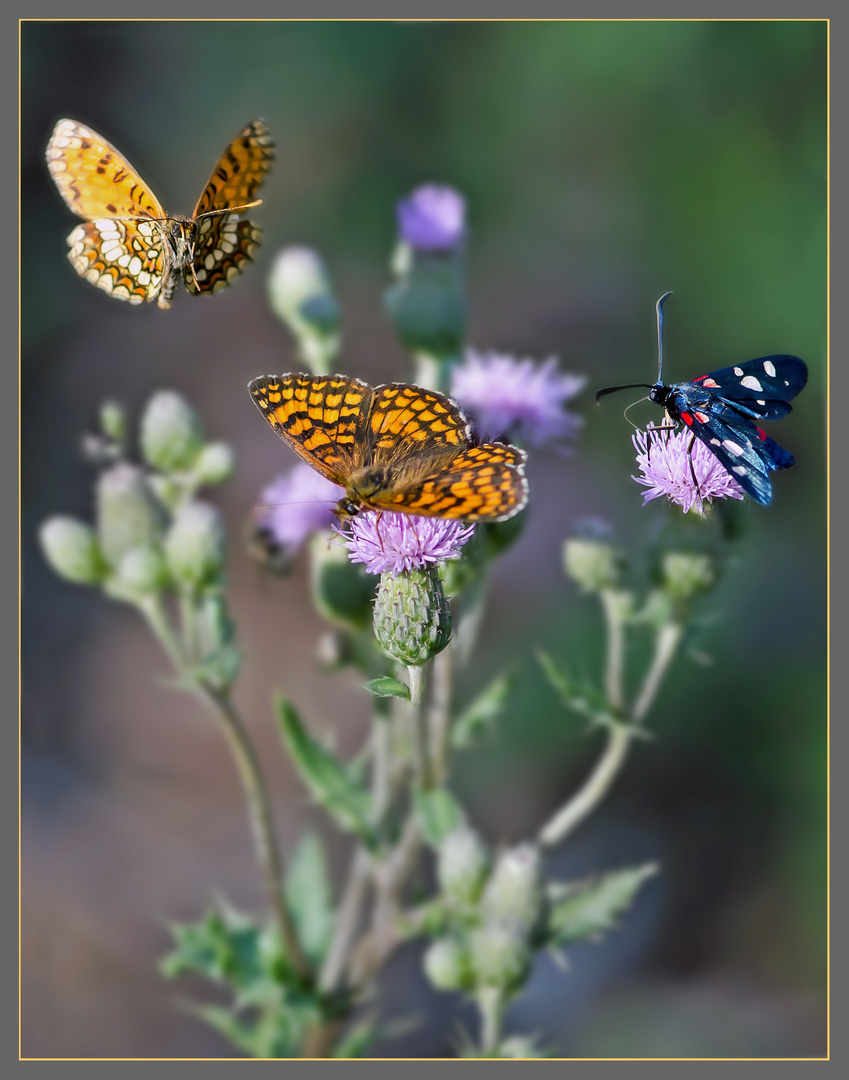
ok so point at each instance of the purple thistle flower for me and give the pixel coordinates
(664, 461)
(297, 504)
(517, 399)
(433, 218)
(387, 542)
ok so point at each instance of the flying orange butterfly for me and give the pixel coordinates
(128, 246)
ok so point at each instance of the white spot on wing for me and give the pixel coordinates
(751, 383)
(733, 448)
(769, 368)
(738, 371)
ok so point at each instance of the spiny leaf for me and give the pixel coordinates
(309, 898)
(386, 686)
(438, 813)
(482, 712)
(588, 909)
(327, 779)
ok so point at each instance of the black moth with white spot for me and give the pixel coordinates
(722, 409)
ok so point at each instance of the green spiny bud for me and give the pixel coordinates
(171, 433)
(128, 515)
(412, 617)
(427, 304)
(302, 296)
(72, 550)
(448, 965)
(195, 545)
(142, 572)
(686, 574)
(514, 893)
(592, 564)
(462, 865)
(215, 464)
(500, 956)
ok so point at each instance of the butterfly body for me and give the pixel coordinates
(127, 245)
(393, 447)
(723, 408)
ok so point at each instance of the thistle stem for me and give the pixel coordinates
(619, 740)
(259, 806)
(491, 1004)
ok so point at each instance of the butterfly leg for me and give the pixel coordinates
(377, 528)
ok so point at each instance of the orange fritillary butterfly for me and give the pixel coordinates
(128, 246)
(393, 447)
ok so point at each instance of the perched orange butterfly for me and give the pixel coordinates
(128, 246)
(393, 447)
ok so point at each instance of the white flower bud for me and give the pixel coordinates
(171, 433)
(71, 549)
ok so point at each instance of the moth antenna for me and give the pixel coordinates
(659, 309)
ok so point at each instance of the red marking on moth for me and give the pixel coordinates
(708, 382)
(761, 433)
(702, 417)
(688, 420)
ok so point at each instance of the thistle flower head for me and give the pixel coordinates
(295, 505)
(517, 399)
(432, 218)
(390, 543)
(667, 466)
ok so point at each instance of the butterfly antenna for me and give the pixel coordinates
(659, 309)
(229, 209)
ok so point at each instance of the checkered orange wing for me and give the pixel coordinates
(480, 483)
(122, 257)
(225, 244)
(410, 422)
(93, 178)
(236, 178)
(322, 417)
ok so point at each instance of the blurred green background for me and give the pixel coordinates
(603, 163)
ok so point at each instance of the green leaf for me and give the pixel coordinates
(386, 686)
(329, 782)
(482, 712)
(589, 909)
(439, 814)
(578, 695)
(309, 898)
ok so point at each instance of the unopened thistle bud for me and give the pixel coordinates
(447, 964)
(500, 955)
(128, 515)
(592, 564)
(412, 617)
(302, 296)
(514, 893)
(462, 865)
(142, 572)
(195, 545)
(72, 550)
(686, 574)
(215, 464)
(171, 433)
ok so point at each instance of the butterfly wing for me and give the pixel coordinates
(759, 388)
(480, 483)
(408, 423)
(93, 178)
(321, 417)
(124, 258)
(240, 170)
(226, 243)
